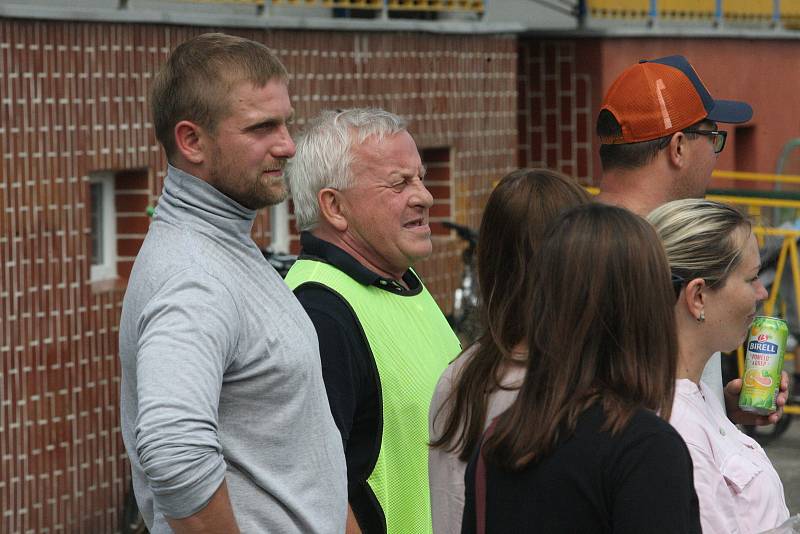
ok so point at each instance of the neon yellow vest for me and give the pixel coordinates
(412, 345)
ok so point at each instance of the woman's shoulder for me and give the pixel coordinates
(641, 421)
(691, 416)
(646, 438)
(446, 383)
(643, 429)
(450, 374)
(646, 429)
(644, 422)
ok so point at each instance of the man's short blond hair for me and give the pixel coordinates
(195, 81)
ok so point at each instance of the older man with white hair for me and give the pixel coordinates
(362, 208)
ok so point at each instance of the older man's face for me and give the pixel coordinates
(387, 207)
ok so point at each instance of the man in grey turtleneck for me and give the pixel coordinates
(224, 412)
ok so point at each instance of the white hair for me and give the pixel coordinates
(324, 155)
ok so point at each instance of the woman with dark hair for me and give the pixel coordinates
(484, 379)
(585, 447)
(714, 259)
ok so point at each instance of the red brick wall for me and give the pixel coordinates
(555, 112)
(71, 103)
(562, 83)
(765, 73)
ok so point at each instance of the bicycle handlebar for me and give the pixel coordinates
(464, 232)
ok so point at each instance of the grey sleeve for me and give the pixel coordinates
(187, 336)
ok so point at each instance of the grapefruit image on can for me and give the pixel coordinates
(766, 345)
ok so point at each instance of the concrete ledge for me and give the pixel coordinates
(134, 16)
(593, 29)
(637, 29)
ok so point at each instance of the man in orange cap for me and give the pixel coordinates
(659, 135)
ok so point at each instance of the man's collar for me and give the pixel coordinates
(319, 249)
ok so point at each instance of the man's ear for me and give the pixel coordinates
(676, 150)
(332, 208)
(189, 140)
(694, 297)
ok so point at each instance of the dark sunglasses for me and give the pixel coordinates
(677, 284)
(718, 137)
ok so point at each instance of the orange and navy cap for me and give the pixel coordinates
(659, 97)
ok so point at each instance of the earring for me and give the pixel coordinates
(702, 317)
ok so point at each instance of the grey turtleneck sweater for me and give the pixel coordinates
(221, 376)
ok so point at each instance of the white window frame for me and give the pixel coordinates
(279, 225)
(107, 268)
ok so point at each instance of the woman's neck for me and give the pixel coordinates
(692, 357)
(688, 368)
(519, 351)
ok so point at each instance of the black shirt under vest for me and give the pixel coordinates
(349, 371)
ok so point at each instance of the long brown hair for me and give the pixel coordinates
(603, 332)
(511, 231)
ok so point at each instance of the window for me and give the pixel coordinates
(103, 232)
(279, 226)
(744, 145)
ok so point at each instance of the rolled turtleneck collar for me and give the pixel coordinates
(187, 198)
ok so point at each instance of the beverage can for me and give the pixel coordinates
(761, 381)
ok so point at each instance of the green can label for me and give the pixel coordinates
(766, 345)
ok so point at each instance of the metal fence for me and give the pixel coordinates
(474, 6)
(775, 12)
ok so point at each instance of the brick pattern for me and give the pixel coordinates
(132, 198)
(456, 91)
(72, 102)
(555, 119)
(439, 182)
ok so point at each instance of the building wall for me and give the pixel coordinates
(764, 73)
(556, 85)
(72, 102)
(562, 83)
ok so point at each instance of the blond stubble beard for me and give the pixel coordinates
(258, 195)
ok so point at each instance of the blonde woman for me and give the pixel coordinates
(714, 260)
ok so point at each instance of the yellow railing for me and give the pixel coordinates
(618, 9)
(754, 207)
(788, 250)
(476, 6)
(757, 177)
(790, 13)
(748, 10)
(259, 3)
(781, 208)
(733, 11)
(789, 237)
(686, 9)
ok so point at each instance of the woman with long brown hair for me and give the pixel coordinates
(585, 447)
(484, 379)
